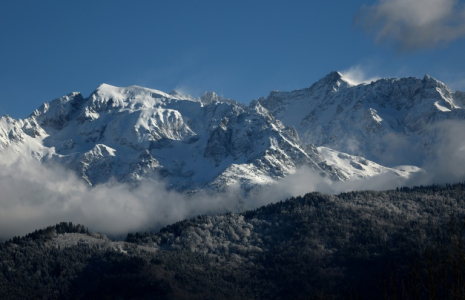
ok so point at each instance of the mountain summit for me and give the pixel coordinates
(375, 120)
(135, 133)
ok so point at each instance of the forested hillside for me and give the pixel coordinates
(400, 244)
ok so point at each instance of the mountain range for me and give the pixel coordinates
(125, 145)
(378, 121)
(337, 129)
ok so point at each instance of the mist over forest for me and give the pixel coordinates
(404, 243)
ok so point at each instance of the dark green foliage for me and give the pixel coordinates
(50, 231)
(110, 275)
(331, 246)
(435, 272)
(31, 271)
(402, 244)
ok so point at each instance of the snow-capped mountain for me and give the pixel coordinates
(135, 133)
(390, 121)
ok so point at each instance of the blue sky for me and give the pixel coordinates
(239, 49)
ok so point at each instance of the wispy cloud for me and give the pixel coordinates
(457, 85)
(448, 160)
(357, 74)
(36, 195)
(413, 24)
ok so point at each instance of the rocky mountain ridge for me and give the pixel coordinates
(377, 121)
(133, 133)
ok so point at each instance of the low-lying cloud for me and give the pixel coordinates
(34, 195)
(413, 24)
(448, 154)
(445, 163)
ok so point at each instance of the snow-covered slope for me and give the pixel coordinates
(134, 133)
(357, 167)
(390, 121)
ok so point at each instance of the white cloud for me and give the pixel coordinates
(187, 91)
(356, 75)
(445, 164)
(448, 162)
(35, 196)
(414, 24)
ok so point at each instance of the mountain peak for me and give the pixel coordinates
(105, 85)
(59, 111)
(333, 76)
(428, 78)
(211, 97)
(106, 91)
(432, 82)
(218, 141)
(333, 82)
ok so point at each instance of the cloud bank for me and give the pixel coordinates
(34, 195)
(448, 162)
(413, 24)
(444, 164)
